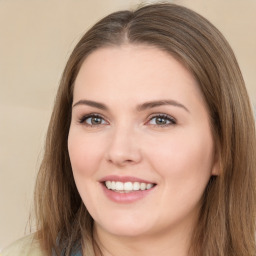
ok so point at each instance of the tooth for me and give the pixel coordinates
(128, 186)
(149, 186)
(113, 185)
(142, 186)
(108, 184)
(136, 186)
(119, 186)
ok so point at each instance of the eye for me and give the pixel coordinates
(93, 120)
(162, 120)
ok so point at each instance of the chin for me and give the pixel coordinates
(127, 229)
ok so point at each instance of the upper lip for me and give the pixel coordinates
(124, 179)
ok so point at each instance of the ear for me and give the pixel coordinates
(216, 167)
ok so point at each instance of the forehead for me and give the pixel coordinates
(138, 70)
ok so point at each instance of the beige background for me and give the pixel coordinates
(36, 38)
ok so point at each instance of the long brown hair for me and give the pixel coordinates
(226, 225)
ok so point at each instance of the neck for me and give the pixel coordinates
(176, 242)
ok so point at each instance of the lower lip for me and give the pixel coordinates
(126, 197)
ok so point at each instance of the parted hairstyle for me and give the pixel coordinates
(226, 224)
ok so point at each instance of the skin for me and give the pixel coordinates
(174, 152)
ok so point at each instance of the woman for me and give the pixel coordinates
(151, 145)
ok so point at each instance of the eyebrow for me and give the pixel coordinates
(139, 108)
(153, 104)
(91, 104)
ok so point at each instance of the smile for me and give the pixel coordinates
(127, 187)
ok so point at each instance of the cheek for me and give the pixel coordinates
(184, 164)
(84, 152)
(184, 157)
(85, 157)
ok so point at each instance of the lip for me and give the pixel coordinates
(125, 198)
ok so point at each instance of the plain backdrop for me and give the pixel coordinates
(36, 38)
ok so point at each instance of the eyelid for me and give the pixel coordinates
(83, 118)
(171, 119)
(162, 115)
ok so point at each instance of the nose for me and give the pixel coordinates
(123, 147)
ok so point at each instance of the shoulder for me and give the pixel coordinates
(26, 246)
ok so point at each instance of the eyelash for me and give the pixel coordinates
(167, 118)
(83, 119)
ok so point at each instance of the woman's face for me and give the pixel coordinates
(140, 142)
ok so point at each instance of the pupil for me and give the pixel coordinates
(96, 120)
(160, 120)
